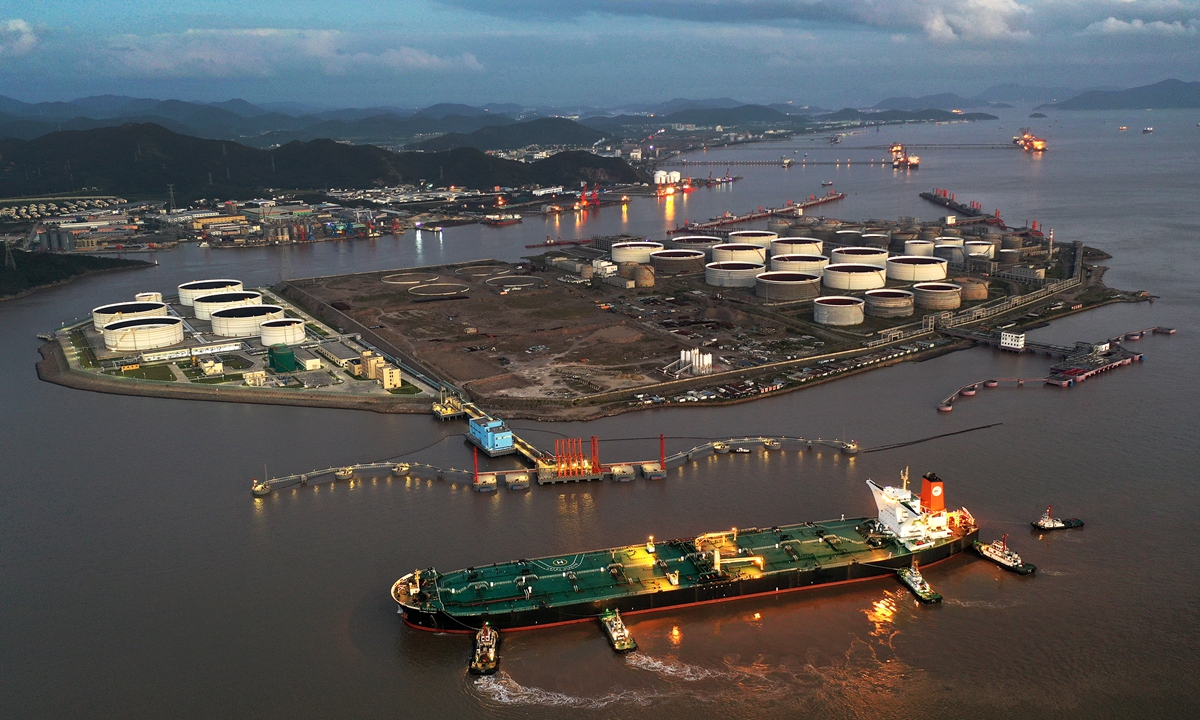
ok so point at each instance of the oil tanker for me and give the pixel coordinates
(708, 568)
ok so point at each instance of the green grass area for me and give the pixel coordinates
(317, 329)
(406, 389)
(146, 372)
(87, 356)
(236, 362)
(218, 379)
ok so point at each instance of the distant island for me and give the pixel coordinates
(141, 159)
(1038, 116)
(891, 116)
(1165, 95)
(543, 131)
(41, 270)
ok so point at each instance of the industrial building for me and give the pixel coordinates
(492, 436)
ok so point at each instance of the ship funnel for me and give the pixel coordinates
(932, 497)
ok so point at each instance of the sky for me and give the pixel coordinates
(571, 52)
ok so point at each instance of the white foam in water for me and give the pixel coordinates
(501, 688)
(673, 668)
(986, 604)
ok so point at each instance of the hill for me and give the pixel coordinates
(850, 114)
(1168, 94)
(141, 159)
(543, 131)
(741, 115)
(39, 270)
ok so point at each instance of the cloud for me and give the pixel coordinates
(937, 19)
(262, 52)
(1113, 26)
(16, 38)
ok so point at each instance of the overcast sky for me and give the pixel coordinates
(417, 52)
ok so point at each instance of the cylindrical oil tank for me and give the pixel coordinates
(879, 240)
(797, 246)
(777, 226)
(1011, 242)
(148, 297)
(918, 247)
(627, 269)
(853, 276)
(979, 247)
(143, 333)
(838, 310)
(205, 305)
(824, 233)
(739, 252)
(888, 303)
(761, 238)
(703, 243)
(243, 320)
(1009, 257)
(948, 240)
(643, 277)
(916, 268)
(781, 286)
(189, 291)
(949, 253)
(972, 289)
(674, 176)
(930, 234)
(952, 232)
(106, 314)
(286, 331)
(587, 272)
(848, 237)
(638, 252)
(677, 262)
(660, 177)
(859, 255)
(937, 295)
(732, 274)
(813, 264)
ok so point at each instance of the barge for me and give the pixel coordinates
(708, 568)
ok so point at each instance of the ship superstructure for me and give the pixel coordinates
(723, 565)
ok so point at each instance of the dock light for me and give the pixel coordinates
(758, 616)
(650, 545)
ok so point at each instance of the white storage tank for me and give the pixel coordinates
(148, 297)
(660, 177)
(799, 263)
(783, 286)
(739, 252)
(796, 246)
(876, 240)
(704, 243)
(287, 331)
(143, 333)
(838, 310)
(918, 247)
(848, 237)
(732, 274)
(916, 268)
(762, 238)
(106, 314)
(1010, 257)
(244, 320)
(674, 176)
(937, 295)
(982, 248)
(189, 291)
(949, 240)
(888, 303)
(853, 276)
(950, 253)
(205, 305)
(859, 255)
(636, 252)
(677, 262)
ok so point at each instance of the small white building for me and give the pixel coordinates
(1012, 341)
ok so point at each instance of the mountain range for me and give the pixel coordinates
(141, 159)
(1168, 94)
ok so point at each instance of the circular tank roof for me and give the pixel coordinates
(837, 300)
(147, 322)
(937, 287)
(245, 311)
(278, 322)
(208, 284)
(858, 251)
(888, 293)
(637, 244)
(798, 257)
(733, 265)
(681, 254)
(853, 268)
(128, 307)
(785, 276)
(738, 246)
(751, 233)
(917, 260)
(227, 297)
(698, 239)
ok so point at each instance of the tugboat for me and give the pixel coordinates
(1049, 522)
(1147, 130)
(618, 634)
(912, 579)
(999, 553)
(827, 183)
(485, 657)
(500, 220)
(741, 450)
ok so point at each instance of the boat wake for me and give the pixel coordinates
(502, 689)
(675, 669)
(985, 604)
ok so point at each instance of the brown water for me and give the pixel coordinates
(141, 580)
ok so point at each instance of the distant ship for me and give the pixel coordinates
(498, 220)
(901, 159)
(724, 565)
(1028, 142)
(1147, 130)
